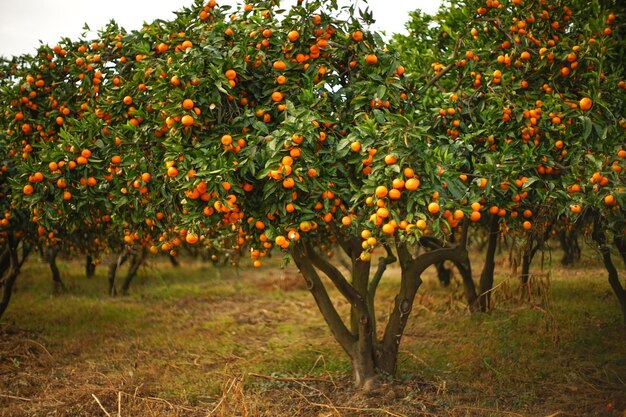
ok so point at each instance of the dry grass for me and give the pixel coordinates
(217, 342)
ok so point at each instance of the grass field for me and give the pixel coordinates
(205, 341)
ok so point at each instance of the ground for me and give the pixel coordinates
(203, 340)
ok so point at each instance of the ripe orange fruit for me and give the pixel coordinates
(421, 224)
(293, 35)
(191, 238)
(585, 103)
(277, 96)
(395, 194)
(576, 208)
(67, 195)
(527, 225)
(230, 74)
(187, 120)
(279, 65)
(188, 104)
(357, 36)
(609, 200)
(28, 189)
(355, 146)
(227, 140)
(475, 216)
(458, 214)
(381, 191)
(128, 100)
(412, 184)
(346, 220)
(289, 182)
(85, 153)
(388, 229)
(116, 160)
(433, 208)
(390, 159)
(172, 172)
(371, 59)
(525, 55)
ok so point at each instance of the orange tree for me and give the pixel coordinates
(287, 130)
(534, 92)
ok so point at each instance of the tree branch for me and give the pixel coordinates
(340, 331)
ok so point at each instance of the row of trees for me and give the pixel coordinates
(300, 130)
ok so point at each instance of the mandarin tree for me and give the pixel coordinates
(534, 93)
(247, 135)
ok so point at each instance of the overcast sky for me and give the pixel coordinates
(23, 23)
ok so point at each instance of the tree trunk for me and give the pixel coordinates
(410, 281)
(525, 276)
(486, 276)
(136, 262)
(58, 285)
(173, 261)
(90, 267)
(113, 267)
(605, 250)
(10, 266)
(444, 274)
(571, 248)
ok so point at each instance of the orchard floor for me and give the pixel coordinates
(205, 341)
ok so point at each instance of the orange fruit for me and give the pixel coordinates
(191, 238)
(277, 96)
(576, 208)
(172, 172)
(187, 120)
(230, 74)
(527, 225)
(390, 159)
(28, 189)
(433, 208)
(381, 191)
(227, 140)
(395, 194)
(188, 104)
(279, 65)
(412, 184)
(293, 35)
(388, 229)
(371, 59)
(609, 200)
(475, 216)
(128, 100)
(585, 103)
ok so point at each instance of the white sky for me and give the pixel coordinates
(23, 23)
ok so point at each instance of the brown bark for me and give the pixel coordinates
(486, 276)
